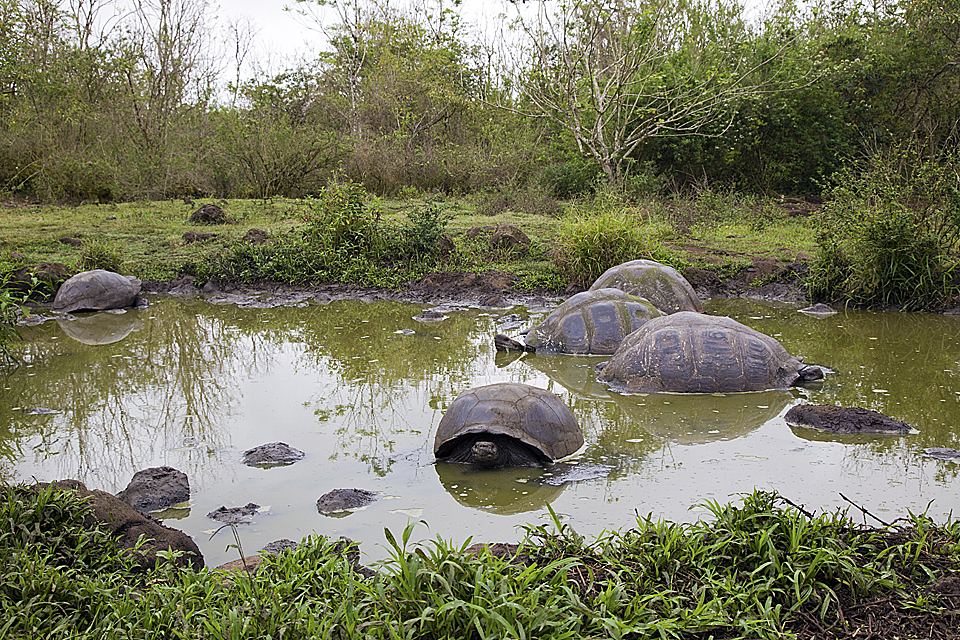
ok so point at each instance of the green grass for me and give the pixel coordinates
(149, 237)
(760, 569)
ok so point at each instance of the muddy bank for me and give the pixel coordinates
(765, 279)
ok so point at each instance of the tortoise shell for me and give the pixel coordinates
(96, 290)
(662, 285)
(591, 323)
(690, 352)
(532, 416)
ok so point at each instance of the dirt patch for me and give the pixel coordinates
(766, 279)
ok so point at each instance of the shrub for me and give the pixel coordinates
(423, 232)
(593, 242)
(889, 234)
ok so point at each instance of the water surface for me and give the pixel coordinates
(194, 384)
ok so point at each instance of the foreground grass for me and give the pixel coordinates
(762, 569)
(148, 236)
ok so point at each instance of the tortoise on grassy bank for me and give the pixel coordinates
(662, 285)
(96, 290)
(695, 353)
(591, 323)
(507, 424)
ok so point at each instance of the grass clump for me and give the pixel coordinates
(889, 235)
(591, 242)
(99, 254)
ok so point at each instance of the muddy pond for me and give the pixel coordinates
(360, 387)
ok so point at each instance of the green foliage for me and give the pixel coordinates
(592, 242)
(890, 234)
(750, 570)
(343, 239)
(570, 178)
(100, 254)
(423, 231)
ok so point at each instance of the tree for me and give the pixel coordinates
(616, 73)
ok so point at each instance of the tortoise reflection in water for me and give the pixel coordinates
(695, 353)
(507, 424)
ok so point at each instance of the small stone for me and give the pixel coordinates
(235, 515)
(342, 500)
(819, 310)
(429, 316)
(273, 454)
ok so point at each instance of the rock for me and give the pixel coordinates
(208, 214)
(476, 232)
(41, 280)
(509, 238)
(942, 453)
(844, 420)
(155, 489)
(255, 236)
(196, 236)
(495, 301)
(819, 310)
(343, 500)
(273, 454)
(127, 525)
(429, 316)
(277, 546)
(235, 515)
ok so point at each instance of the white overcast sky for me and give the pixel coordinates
(282, 35)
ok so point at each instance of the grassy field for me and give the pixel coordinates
(716, 232)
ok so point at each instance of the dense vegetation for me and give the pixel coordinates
(656, 103)
(763, 569)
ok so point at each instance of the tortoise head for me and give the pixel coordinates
(485, 453)
(809, 373)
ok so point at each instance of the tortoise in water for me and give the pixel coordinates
(591, 323)
(690, 352)
(96, 290)
(507, 424)
(662, 285)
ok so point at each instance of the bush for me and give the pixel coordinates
(569, 179)
(593, 242)
(422, 234)
(889, 234)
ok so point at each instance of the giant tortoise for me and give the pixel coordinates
(662, 285)
(507, 424)
(690, 352)
(96, 290)
(591, 323)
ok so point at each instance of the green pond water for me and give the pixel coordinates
(192, 385)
